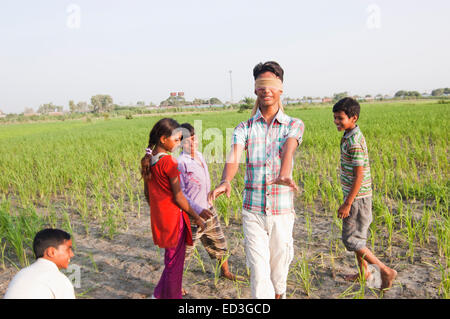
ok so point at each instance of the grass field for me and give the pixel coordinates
(86, 173)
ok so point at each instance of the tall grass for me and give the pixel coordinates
(91, 169)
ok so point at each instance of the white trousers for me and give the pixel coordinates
(269, 250)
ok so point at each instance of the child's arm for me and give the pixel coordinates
(284, 178)
(147, 197)
(344, 210)
(203, 212)
(182, 202)
(229, 171)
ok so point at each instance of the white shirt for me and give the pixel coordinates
(40, 280)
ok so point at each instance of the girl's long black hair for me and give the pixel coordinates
(163, 127)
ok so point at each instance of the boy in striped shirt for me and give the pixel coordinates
(356, 211)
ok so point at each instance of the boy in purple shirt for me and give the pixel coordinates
(195, 184)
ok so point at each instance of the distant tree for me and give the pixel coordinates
(47, 108)
(82, 107)
(197, 101)
(214, 100)
(400, 93)
(403, 93)
(338, 96)
(164, 103)
(247, 103)
(140, 103)
(72, 106)
(439, 92)
(173, 101)
(101, 103)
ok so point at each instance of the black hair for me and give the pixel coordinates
(270, 66)
(189, 128)
(164, 127)
(348, 105)
(49, 237)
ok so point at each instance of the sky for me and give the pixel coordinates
(57, 50)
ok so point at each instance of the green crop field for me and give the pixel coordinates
(57, 172)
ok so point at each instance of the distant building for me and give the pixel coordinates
(55, 113)
(31, 114)
(202, 106)
(291, 101)
(327, 100)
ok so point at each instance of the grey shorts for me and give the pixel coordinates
(356, 225)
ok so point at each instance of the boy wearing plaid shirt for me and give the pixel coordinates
(270, 138)
(356, 211)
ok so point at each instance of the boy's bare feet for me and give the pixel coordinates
(387, 278)
(183, 292)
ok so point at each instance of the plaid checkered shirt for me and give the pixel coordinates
(264, 144)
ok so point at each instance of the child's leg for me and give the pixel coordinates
(214, 241)
(387, 274)
(362, 264)
(170, 283)
(354, 232)
(190, 249)
(257, 255)
(195, 237)
(281, 251)
(354, 236)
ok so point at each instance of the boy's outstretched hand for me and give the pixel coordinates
(344, 210)
(225, 187)
(284, 180)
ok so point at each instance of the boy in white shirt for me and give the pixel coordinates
(42, 279)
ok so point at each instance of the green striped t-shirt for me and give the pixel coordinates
(354, 153)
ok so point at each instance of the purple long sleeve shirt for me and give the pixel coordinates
(194, 180)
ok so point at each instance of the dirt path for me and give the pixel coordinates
(130, 265)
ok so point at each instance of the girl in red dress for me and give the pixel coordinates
(168, 207)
